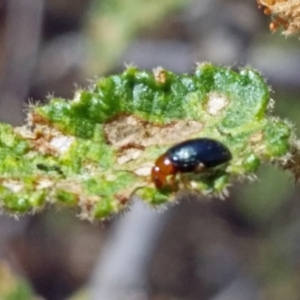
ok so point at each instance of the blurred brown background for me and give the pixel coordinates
(244, 248)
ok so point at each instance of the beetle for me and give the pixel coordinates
(195, 155)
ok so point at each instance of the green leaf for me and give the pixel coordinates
(96, 151)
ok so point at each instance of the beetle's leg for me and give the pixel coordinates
(199, 168)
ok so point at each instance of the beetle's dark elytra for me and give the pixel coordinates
(186, 155)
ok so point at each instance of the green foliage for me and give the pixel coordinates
(96, 151)
(12, 287)
(113, 24)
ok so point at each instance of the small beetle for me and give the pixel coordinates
(194, 155)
